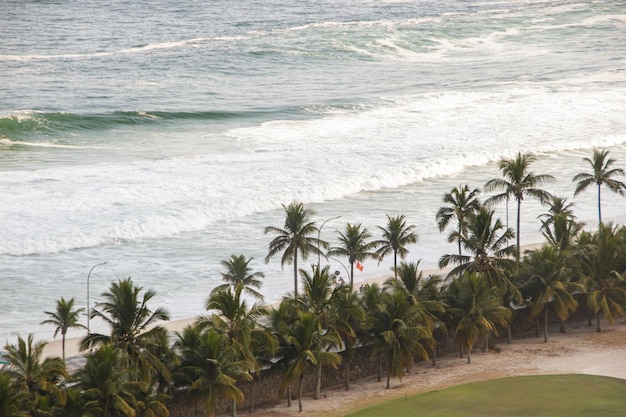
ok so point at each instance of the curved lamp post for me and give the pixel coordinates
(319, 231)
(88, 276)
(344, 267)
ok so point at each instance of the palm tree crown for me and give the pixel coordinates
(395, 237)
(518, 182)
(355, 246)
(461, 201)
(238, 273)
(602, 175)
(294, 238)
(64, 318)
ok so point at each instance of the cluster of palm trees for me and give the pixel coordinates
(138, 369)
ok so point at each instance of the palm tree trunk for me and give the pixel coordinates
(469, 354)
(598, 322)
(461, 351)
(519, 216)
(599, 209)
(300, 392)
(289, 396)
(233, 409)
(545, 326)
(486, 347)
(318, 380)
(63, 347)
(295, 271)
(252, 394)
(347, 364)
(389, 368)
(537, 326)
(509, 339)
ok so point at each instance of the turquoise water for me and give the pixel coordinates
(162, 137)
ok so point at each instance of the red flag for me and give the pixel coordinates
(359, 266)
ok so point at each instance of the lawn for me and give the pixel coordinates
(532, 396)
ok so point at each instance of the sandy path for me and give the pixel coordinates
(580, 351)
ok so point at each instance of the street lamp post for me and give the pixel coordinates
(319, 231)
(344, 267)
(88, 276)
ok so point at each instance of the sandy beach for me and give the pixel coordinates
(580, 351)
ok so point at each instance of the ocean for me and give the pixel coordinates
(161, 137)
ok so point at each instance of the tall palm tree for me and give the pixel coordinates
(307, 343)
(461, 201)
(133, 330)
(349, 323)
(602, 266)
(108, 383)
(64, 318)
(317, 299)
(294, 238)
(602, 174)
(395, 237)
(371, 297)
(486, 242)
(478, 309)
(517, 182)
(548, 275)
(238, 273)
(32, 373)
(355, 245)
(232, 317)
(401, 333)
(209, 368)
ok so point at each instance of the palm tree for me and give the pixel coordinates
(355, 245)
(478, 309)
(107, 382)
(349, 322)
(371, 297)
(461, 201)
(64, 318)
(395, 237)
(486, 242)
(318, 291)
(240, 324)
(549, 278)
(559, 225)
(602, 175)
(133, 328)
(33, 374)
(13, 401)
(518, 182)
(400, 331)
(306, 344)
(238, 273)
(209, 367)
(602, 266)
(294, 238)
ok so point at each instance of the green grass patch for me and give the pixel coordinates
(532, 396)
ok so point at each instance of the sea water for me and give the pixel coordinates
(162, 137)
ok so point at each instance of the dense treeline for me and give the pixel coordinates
(137, 367)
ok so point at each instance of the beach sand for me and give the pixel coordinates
(580, 351)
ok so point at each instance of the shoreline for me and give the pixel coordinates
(53, 347)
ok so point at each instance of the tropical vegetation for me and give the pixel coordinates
(137, 368)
